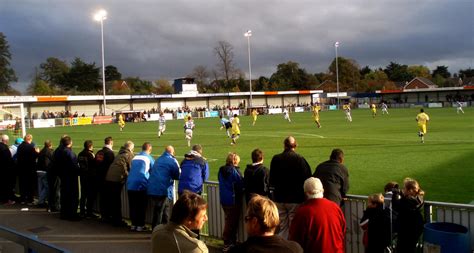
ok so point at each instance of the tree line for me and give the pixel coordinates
(55, 76)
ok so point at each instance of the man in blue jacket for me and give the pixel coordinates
(161, 185)
(137, 182)
(194, 171)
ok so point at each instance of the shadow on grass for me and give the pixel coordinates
(455, 184)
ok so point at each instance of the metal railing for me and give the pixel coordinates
(353, 210)
(30, 243)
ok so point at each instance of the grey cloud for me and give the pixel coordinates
(154, 39)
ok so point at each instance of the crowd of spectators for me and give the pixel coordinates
(289, 208)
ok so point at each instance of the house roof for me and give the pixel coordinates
(425, 81)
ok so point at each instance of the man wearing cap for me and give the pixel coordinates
(319, 224)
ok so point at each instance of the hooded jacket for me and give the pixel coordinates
(231, 185)
(194, 172)
(256, 180)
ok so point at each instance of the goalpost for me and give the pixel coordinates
(10, 114)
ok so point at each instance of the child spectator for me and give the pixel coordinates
(410, 220)
(376, 225)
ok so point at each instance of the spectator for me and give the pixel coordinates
(114, 181)
(376, 225)
(7, 169)
(410, 219)
(88, 175)
(161, 185)
(231, 194)
(288, 171)
(256, 176)
(189, 213)
(26, 157)
(334, 176)
(319, 224)
(45, 162)
(137, 182)
(103, 160)
(261, 220)
(66, 163)
(194, 171)
(54, 182)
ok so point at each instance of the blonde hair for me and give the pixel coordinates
(412, 187)
(265, 211)
(375, 199)
(232, 159)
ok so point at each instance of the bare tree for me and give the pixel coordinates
(225, 55)
(201, 75)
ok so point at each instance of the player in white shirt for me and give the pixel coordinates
(459, 107)
(188, 130)
(225, 123)
(162, 125)
(384, 108)
(286, 115)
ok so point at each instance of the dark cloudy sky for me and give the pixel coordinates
(156, 39)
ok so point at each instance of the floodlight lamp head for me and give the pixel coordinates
(100, 15)
(248, 33)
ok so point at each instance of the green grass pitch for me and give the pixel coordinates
(376, 150)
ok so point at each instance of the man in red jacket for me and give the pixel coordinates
(319, 224)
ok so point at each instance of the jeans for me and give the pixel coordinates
(286, 211)
(161, 210)
(43, 189)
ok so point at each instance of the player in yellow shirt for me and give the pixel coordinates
(373, 108)
(422, 118)
(347, 110)
(235, 129)
(254, 116)
(121, 121)
(316, 110)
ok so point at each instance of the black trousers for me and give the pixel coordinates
(54, 191)
(69, 196)
(113, 202)
(231, 225)
(28, 181)
(88, 194)
(161, 210)
(137, 201)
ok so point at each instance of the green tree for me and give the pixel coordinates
(442, 71)
(83, 77)
(54, 71)
(40, 87)
(112, 73)
(261, 84)
(138, 86)
(349, 74)
(289, 76)
(7, 74)
(365, 70)
(397, 72)
(419, 71)
(466, 73)
(163, 86)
